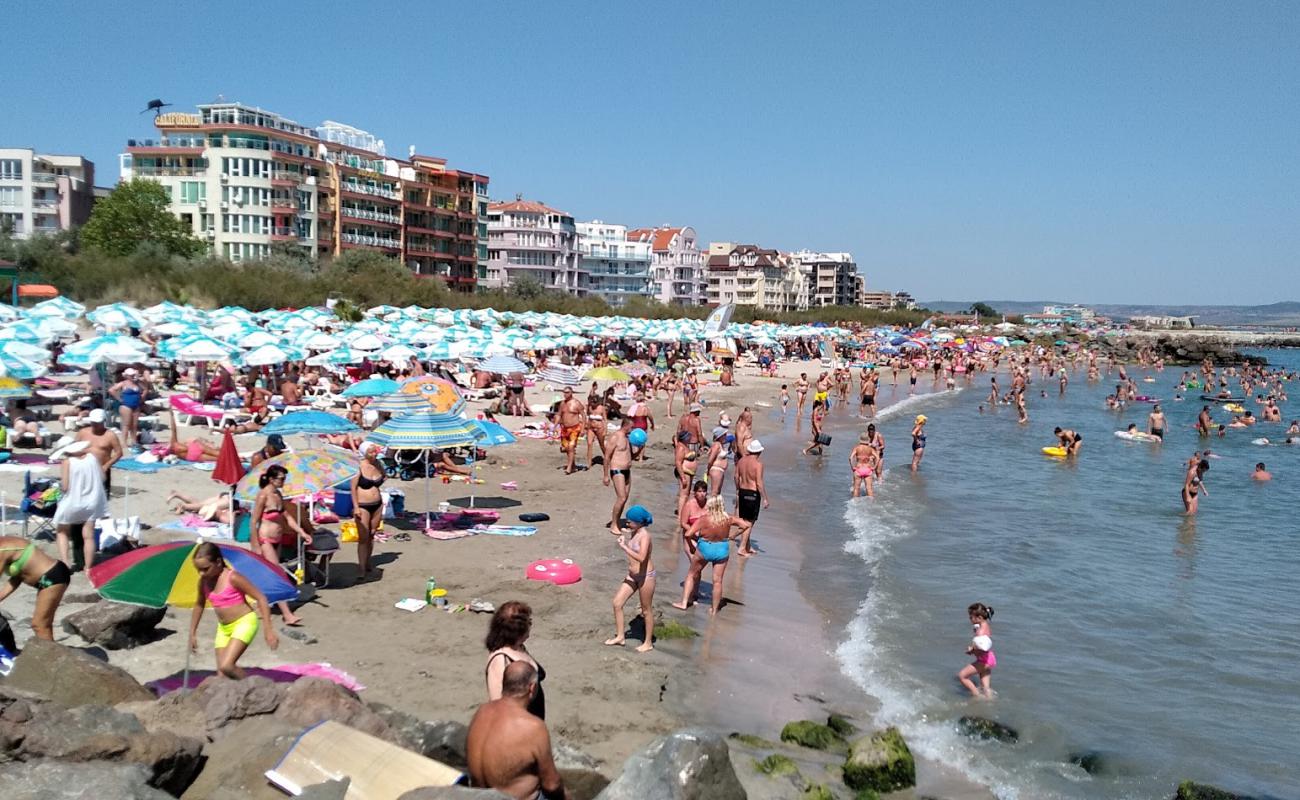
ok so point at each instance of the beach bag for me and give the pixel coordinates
(823, 439)
(394, 503)
(348, 531)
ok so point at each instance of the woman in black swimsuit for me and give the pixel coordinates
(509, 629)
(367, 505)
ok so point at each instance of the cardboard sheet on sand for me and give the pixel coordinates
(379, 770)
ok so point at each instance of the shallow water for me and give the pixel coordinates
(1168, 645)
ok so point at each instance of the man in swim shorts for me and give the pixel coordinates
(1156, 422)
(751, 494)
(571, 417)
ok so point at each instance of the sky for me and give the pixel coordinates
(1093, 152)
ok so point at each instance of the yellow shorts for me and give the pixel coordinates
(244, 629)
(821, 396)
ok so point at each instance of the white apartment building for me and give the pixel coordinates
(618, 268)
(43, 194)
(677, 264)
(831, 278)
(527, 238)
(748, 275)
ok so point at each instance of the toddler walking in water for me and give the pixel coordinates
(981, 646)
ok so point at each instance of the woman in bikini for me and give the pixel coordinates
(188, 449)
(270, 518)
(863, 461)
(367, 505)
(21, 562)
(229, 594)
(640, 579)
(211, 509)
(670, 388)
(710, 538)
(595, 423)
(506, 636)
(692, 510)
(719, 456)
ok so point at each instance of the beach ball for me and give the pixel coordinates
(637, 437)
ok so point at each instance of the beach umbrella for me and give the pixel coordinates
(606, 374)
(372, 387)
(11, 389)
(57, 307)
(503, 365)
(257, 338)
(398, 352)
(422, 431)
(25, 332)
(310, 471)
(20, 368)
(320, 341)
(638, 368)
(340, 356)
(574, 340)
(200, 348)
(25, 351)
(8, 313)
(308, 422)
(117, 315)
(441, 395)
(164, 575)
(268, 355)
(492, 433)
(398, 403)
(229, 469)
(560, 375)
(367, 342)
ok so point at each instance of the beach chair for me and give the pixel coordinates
(191, 412)
(36, 511)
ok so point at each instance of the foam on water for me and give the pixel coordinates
(904, 406)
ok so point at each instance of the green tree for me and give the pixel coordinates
(135, 213)
(984, 310)
(526, 288)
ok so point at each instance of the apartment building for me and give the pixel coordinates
(41, 193)
(749, 275)
(831, 278)
(676, 266)
(530, 239)
(618, 268)
(887, 300)
(245, 179)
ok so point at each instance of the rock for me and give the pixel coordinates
(59, 780)
(580, 771)
(236, 763)
(984, 728)
(817, 791)
(80, 599)
(453, 793)
(441, 741)
(777, 764)
(7, 635)
(1187, 790)
(814, 735)
(841, 725)
(881, 762)
(308, 701)
(98, 733)
(72, 678)
(176, 712)
(330, 790)
(115, 626)
(690, 764)
(225, 701)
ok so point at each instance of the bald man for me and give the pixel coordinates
(508, 748)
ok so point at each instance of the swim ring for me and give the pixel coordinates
(1057, 452)
(559, 571)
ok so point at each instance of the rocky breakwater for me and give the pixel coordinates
(1222, 348)
(72, 725)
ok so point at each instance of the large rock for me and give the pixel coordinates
(453, 793)
(176, 712)
(308, 701)
(61, 780)
(1187, 790)
(98, 733)
(880, 762)
(984, 728)
(690, 764)
(71, 677)
(814, 735)
(236, 764)
(115, 626)
(225, 701)
(441, 741)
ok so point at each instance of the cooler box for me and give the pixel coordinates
(343, 500)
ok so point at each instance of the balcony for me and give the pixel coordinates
(46, 206)
(187, 172)
(372, 216)
(369, 241)
(373, 191)
(284, 204)
(244, 143)
(286, 176)
(281, 234)
(44, 178)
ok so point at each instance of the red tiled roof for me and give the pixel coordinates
(660, 238)
(528, 206)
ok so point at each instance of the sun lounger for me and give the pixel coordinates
(191, 412)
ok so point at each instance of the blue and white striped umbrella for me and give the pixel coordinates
(20, 368)
(424, 430)
(399, 403)
(503, 365)
(308, 422)
(25, 351)
(117, 315)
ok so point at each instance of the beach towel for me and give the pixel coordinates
(447, 534)
(505, 530)
(196, 526)
(283, 673)
(132, 465)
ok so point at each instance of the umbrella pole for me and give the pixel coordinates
(427, 511)
(185, 676)
(473, 473)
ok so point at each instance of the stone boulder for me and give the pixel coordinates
(690, 764)
(308, 701)
(237, 763)
(71, 677)
(881, 762)
(453, 793)
(115, 626)
(60, 780)
(1187, 790)
(813, 735)
(98, 733)
(176, 712)
(225, 701)
(984, 728)
(442, 741)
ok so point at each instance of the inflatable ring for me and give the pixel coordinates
(559, 571)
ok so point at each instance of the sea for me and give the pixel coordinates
(1152, 646)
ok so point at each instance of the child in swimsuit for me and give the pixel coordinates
(981, 647)
(228, 593)
(21, 562)
(640, 578)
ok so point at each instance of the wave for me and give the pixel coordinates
(926, 400)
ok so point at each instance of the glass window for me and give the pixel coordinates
(11, 168)
(11, 196)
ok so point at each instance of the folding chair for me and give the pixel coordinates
(34, 510)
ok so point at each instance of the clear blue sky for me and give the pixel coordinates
(1100, 152)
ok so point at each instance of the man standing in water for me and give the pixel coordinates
(104, 445)
(618, 471)
(1204, 422)
(751, 494)
(1156, 422)
(571, 419)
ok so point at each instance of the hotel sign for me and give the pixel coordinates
(178, 119)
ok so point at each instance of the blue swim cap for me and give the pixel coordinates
(640, 516)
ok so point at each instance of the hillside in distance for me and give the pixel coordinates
(1273, 315)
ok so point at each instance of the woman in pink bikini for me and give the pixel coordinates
(864, 461)
(268, 523)
(229, 593)
(981, 647)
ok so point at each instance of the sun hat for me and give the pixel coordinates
(724, 420)
(130, 372)
(755, 446)
(640, 516)
(696, 408)
(96, 416)
(275, 440)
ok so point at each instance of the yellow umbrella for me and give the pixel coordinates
(607, 374)
(442, 395)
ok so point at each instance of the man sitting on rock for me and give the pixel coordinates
(508, 748)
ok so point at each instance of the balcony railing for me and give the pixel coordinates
(376, 191)
(286, 175)
(50, 205)
(246, 143)
(164, 171)
(369, 241)
(283, 231)
(378, 216)
(44, 178)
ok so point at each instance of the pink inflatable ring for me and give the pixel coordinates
(559, 571)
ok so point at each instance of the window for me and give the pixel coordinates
(11, 168)
(11, 196)
(192, 192)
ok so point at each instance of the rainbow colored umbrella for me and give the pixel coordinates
(164, 575)
(310, 471)
(441, 394)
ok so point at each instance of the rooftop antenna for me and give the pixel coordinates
(156, 106)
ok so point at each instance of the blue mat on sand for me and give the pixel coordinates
(131, 465)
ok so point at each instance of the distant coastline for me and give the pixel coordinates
(1284, 314)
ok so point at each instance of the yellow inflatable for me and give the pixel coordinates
(1235, 408)
(1058, 452)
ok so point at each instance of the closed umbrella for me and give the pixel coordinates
(229, 469)
(560, 375)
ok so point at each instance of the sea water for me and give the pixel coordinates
(1165, 647)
